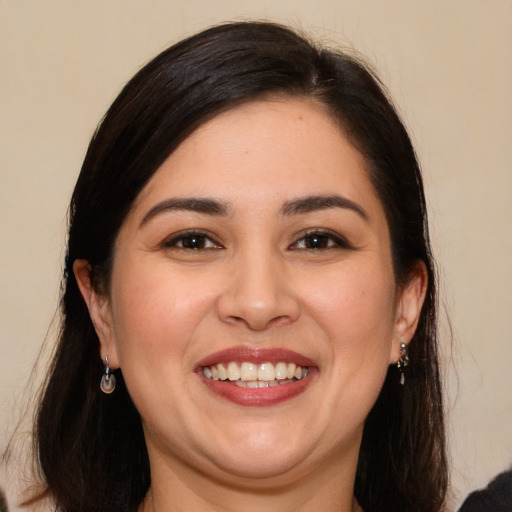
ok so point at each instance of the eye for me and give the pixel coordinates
(320, 240)
(192, 240)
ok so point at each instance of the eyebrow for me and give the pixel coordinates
(303, 205)
(215, 207)
(196, 204)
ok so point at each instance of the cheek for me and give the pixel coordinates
(355, 308)
(352, 310)
(158, 316)
(156, 313)
(360, 300)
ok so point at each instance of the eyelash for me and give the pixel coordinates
(189, 235)
(334, 240)
(323, 236)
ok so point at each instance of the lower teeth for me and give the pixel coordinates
(262, 383)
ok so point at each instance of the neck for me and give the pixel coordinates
(179, 488)
(151, 505)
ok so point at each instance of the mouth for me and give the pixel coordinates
(258, 377)
(253, 375)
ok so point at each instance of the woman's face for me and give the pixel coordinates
(253, 308)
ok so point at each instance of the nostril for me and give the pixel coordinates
(281, 320)
(235, 319)
(258, 299)
(261, 323)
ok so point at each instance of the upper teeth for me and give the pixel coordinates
(246, 371)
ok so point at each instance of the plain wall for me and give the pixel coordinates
(448, 65)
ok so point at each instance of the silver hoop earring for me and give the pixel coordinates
(108, 379)
(403, 361)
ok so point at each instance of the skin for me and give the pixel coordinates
(256, 280)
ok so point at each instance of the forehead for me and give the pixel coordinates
(260, 151)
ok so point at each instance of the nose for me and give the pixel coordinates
(259, 294)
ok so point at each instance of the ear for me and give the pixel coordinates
(411, 296)
(100, 312)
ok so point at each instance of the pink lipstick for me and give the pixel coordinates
(256, 377)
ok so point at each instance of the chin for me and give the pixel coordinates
(264, 457)
(261, 473)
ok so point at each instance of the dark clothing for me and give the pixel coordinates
(497, 497)
(3, 503)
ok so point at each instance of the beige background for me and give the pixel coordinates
(449, 67)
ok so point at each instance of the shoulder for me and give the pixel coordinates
(496, 497)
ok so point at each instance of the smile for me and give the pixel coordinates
(256, 375)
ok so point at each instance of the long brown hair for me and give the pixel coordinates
(91, 447)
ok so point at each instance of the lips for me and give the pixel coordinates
(258, 377)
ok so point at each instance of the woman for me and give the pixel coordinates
(249, 274)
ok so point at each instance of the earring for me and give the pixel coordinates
(403, 361)
(108, 379)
